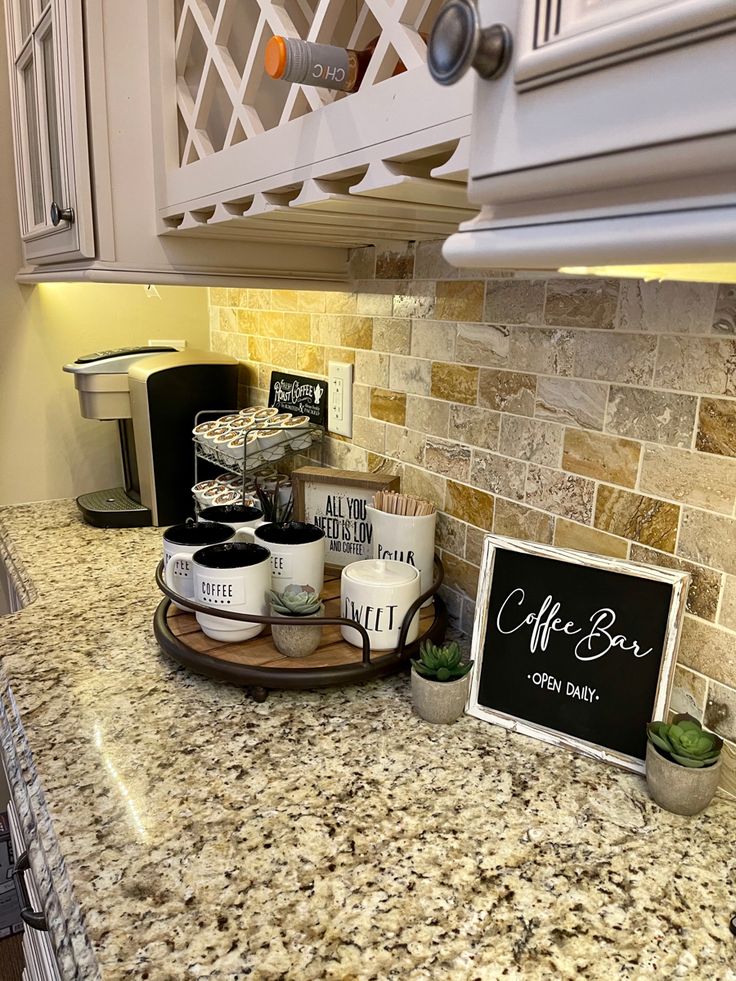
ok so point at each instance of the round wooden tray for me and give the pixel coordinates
(257, 664)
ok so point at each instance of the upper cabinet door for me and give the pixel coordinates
(47, 82)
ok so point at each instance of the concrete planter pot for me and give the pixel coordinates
(297, 639)
(440, 702)
(680, 789)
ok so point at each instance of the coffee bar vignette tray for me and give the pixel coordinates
(256, 664)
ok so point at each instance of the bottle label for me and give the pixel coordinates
(317, 64)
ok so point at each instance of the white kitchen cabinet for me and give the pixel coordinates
(46, 63)
(609, 139)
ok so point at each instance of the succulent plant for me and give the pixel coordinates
(685, 741)
(273, 509)
(295, 601)
(441, 663)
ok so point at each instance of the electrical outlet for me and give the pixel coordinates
(178, 344)
(340, 407)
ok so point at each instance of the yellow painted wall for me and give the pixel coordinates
(47, 450)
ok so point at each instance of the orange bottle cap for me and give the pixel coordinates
(275, 57)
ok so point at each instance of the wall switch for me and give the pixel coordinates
(166, 342)
(340, 408)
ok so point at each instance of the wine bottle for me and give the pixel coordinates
(323, 65)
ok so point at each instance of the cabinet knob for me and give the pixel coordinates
(58, 214)
(458, 43)
(27, 913)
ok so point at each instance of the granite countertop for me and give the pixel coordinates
(181, 830)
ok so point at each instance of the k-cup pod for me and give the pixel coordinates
(265, 413)
(224, 497)
(405, 538)
(378, 595)
(220, 444)
(183, 541)
(270, 444)
(250, 410)
(228, 480)
(234, 576)
(201, 430)
(242, 423)
(229, 419)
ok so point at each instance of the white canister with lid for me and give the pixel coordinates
(377, 593)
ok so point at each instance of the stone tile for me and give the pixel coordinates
(569, 534)
(395, 263)
(515, 301)
(392, 335)
(460, 574)
(369, 433)
(433, 339)
(285, 300)
(340, 302)
(658, 417)
(297, 326)
(527, 349)
(694, 478)
(247, 321)
(344, 455)
(507, 391)
(716, 431)
(362, 263)
(283, 353)
(405, 445)
(470, 424)
(374, 304)
(460, 300)
(688, 693)
(356, 332)
(575, 403)
(666, 308)
(697, 364)
(483, 344)
(218, 296)
(372, 368)
(341, 354)
(474, 538)
(469, 504)
(389, 406)
(429, 263)
(561, 493)
(600, 457)
(709, 539)
(625, 358)
(518, 521)
(720, 710)
(259, 349)
(727, 785)
(325, 328)
(705, 584)
(581, 303)
(498, 474)
(450, 459)
(226, 342)
(708, 650)
(724, 318)
(227, 320)
(421, 483)
(427, 415)
(415, 300)
(450, 534)
(531, 439)
(362, 400)
(641, 519)
(454, 382)
(410, 375)
(310, 358)
(310, 301)
(727, 615)
(454, 602)
(259, 299)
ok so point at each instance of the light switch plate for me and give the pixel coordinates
(340, 408)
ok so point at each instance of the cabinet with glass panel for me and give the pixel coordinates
(47, 86)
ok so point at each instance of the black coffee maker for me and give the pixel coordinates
(154, 395)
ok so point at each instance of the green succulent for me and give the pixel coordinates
(295, 601)
(441, 663)
(685, 741)
(273, 509)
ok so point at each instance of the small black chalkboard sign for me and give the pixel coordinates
(299, 395)
(574, 649)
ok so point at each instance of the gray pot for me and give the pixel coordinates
(680, 789)
(297, 639)
(439, 701)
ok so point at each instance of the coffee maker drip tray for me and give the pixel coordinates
(113, 508)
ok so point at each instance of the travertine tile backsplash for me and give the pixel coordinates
(593, 414)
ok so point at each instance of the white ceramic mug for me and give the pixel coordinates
(234, 576)
(406, 538)
(377, 594)
(181, 542)
(237, 516)
(297, 553)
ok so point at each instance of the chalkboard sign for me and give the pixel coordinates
(574, 649)
(299, 395)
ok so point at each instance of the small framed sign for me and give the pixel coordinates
(336, 501)
(299, 395)
(574, 649)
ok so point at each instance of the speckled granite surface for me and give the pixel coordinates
(183, 831)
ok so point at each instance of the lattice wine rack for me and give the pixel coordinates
(246, 152)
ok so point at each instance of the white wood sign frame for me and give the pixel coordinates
(679, 582)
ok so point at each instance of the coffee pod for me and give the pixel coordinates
(223, 497)
(265, 413)
(250, 410)
(230, 419)
(242, 423)
(378, 594)
(221, 443)
(203, 428)
(279, 420)
(228, 480)
(182, 541)
(270, 443)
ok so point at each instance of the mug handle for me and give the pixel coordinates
(168, 578)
